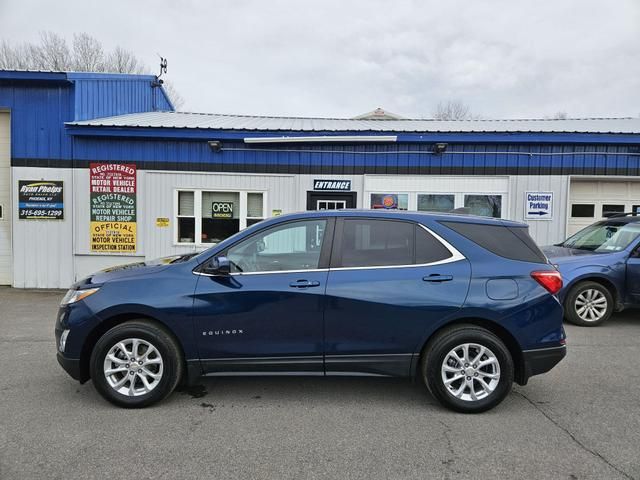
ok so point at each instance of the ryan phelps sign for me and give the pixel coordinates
(113, 207)
(40, 200)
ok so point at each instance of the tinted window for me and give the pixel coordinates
(292, 246)
(428, 248)
(368, 243)
(583, 210)
(509, 242)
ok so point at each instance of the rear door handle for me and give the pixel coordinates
(435, 277)
(304, 284)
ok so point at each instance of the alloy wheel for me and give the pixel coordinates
(591, 305)
(470, 372)
(133, 367)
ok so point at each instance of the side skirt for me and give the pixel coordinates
(386, 365)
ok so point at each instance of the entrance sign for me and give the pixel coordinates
(332, 185)
(538, 205)
(113, 207)
(40, 200)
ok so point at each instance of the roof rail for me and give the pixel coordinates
(625, 214)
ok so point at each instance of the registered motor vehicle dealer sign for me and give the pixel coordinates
(538, 205)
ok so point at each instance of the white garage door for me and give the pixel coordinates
(594, 200)
(5, 203)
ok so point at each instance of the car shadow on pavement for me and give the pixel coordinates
(310, 390)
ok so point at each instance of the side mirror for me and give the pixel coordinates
(220, 266)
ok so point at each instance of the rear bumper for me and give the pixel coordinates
(70, 365)
(541, 360)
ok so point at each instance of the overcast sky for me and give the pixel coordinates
(506, 59)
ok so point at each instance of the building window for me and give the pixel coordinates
(206, 217)
(436, 203)
(186, 221)
(220, 216)
(390, 201)
(583, 210)
(608, 210)
(484, 205)
(255, 208)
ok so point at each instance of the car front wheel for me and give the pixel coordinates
(468, 369)
(588, 304)
(135, 364)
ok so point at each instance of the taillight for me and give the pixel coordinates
(551, 280)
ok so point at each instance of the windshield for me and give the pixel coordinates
(604, 237)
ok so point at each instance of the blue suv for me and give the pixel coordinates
(464, 304)
(601, 268)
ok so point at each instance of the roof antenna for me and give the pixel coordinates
(163, 69)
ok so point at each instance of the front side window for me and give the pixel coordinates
(484, 205)
(604, 237)
(292, 246)
(368, 243)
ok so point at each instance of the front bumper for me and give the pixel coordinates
(541, 360)
(70, 365)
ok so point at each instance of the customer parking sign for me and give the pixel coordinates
(538, 205)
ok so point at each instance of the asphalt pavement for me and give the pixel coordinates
(581, 420)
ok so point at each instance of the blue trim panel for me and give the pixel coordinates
(458, 137)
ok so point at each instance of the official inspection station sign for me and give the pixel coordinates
(538, 205)
(40, 200)
(113, 207)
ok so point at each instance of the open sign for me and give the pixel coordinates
(222, 210)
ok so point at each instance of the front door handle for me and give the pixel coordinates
(435, 277)
(304, 284)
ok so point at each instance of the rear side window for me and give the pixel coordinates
(428, 248)
(508, 242)
(367, 243)
(373, 243)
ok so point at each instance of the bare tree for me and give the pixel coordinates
(86, 54)
(560, 116)
(123, 61)
(452, 110)
(52, 53)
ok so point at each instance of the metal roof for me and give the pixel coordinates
(209, 121)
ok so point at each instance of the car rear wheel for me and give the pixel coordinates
(588, 304)
(136, 364)
(467, 369)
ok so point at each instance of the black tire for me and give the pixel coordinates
(161, 340)
(571, 308)
(436, 353)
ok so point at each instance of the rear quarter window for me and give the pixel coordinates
(514, 243)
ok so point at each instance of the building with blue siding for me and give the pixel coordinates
(189, 180)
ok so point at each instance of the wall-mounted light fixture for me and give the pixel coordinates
(215, 145)
(439, 148)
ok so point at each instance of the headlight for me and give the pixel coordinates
(74, 296)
